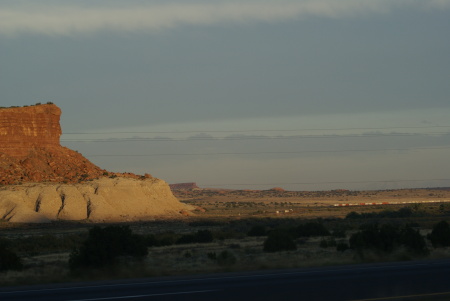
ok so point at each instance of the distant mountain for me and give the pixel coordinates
(439, 188)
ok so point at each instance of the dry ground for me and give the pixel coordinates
(232, 212)
(195, 259)
(302, 204)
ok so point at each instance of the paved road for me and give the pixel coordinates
(419, 280)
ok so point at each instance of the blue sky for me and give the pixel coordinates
(303, 94)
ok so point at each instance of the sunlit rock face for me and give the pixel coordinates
(102, 200)
(42, 181)
(23, 129)
(30, 149)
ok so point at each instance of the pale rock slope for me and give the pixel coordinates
(100, 200)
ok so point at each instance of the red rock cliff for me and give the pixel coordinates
(24, 129)
(30, 150)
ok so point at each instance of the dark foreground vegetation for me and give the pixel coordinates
(402, 234)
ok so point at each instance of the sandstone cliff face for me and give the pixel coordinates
(102, 200)
(30, 150)
(22, 129)
(61, 184)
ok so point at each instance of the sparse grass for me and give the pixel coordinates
(45, 249)
(172, 260)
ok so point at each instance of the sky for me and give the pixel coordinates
(249, 94)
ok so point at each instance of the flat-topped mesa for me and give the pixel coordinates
(30, 150)
(23, 129)
(57, 183)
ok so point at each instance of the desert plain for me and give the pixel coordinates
(230, 215)
(64, 219)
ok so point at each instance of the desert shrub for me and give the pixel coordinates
(311, 229)
(325, 243)
(374, 238)
(400, 213)
(162, 239)
(204, 223)
(342, 246)
(186, 239)
(167, 238)
(150, 240)
(34, 245)
(227, 233)
(202, 236)
(9, 260)
(212, 255)
(104, 245)
(279, 241)
(413, 241)
(339, 233)
(257, 230)
(440, 235)
(234, 246)
(352, 215)
(226, 258)
(387, 238)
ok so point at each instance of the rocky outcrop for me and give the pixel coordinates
(102, 200)
(48, 165)
(184, 186)
(42, 181)
(30, 150)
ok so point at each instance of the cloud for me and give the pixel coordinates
(75, 17)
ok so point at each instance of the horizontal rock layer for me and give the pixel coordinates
(30, 150)
(22, 129)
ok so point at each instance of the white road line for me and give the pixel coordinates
(142, 296)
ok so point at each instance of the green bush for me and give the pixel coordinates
(279, 241)
(104, 245)
(440, 235)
